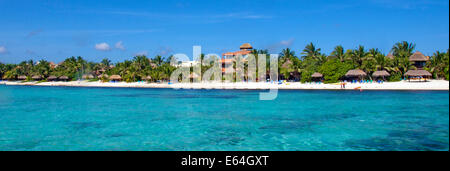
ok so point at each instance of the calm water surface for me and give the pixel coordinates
(65, 118)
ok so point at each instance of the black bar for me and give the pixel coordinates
(274, 159)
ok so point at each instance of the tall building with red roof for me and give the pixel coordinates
(229, 57)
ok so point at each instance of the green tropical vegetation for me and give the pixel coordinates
(334, 66)
(291, 67)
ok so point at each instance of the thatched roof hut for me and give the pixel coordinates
(246, 46)
(390, 56)
(356, 73)
(287, 63)
(383, 73)
(64, 78)
(52, 78)
(103, 75)
(22, 77)
(147, 78)
(115, 77)
(88, 76)
(317, 75)
(418, 56)
(37, 77)
(418, 73)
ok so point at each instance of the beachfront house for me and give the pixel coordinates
(419, 60)
(245, 49)
(229, 58)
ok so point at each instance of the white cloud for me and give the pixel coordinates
(280, 45)
(142, 53)
(102, 47)
(3, 50)
(287, 42)
(119, 45)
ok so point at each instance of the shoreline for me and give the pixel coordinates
(432, 85)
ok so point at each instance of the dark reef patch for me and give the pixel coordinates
(85, 125)
(399, 141)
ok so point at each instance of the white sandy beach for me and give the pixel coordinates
(402, 85)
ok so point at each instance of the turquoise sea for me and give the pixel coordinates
(71, 118)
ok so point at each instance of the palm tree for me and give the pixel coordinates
(437, 64)
(11, 74)
(404, 65)
(158, 60)
(382, 63)
(369, 63)
(373, 52)
(106, 62)
(403, 49)
(338, 53)
(358, 55)
(140, 63)
(2, 70)
(310, 51)
(287, 53)
(42, 68)
(286, 62)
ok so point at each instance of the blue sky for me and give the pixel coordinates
(55, 30)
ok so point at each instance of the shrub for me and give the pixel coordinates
(333, 70)
(395, 76)
(306, 76)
